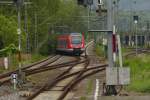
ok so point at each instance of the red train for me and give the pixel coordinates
(71, 43)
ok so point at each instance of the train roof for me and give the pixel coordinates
(75, 33)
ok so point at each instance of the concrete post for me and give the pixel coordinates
(109, 36)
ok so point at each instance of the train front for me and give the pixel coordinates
(77, 43)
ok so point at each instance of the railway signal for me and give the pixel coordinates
(14, 80)
(114, 75)
(19, 4)
(135, 18)
(100, 3)
(99, 7)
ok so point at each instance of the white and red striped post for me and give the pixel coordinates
(114, 45)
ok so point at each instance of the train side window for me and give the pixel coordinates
(62, 43)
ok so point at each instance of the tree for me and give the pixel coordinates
(8, 31)
(50, 13)
(11, 49)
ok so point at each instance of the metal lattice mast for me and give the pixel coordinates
(36, 35)
(26, 30)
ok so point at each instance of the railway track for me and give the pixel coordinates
(139, 51)
(39, 67)
(50, 84)
(70, 72)
(44, 62)
(4, 78)
(74, 77)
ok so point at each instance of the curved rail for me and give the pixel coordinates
(50, 84)
(36, 65)
(62, 76)
(77, 77)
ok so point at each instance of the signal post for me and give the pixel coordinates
(114, 75)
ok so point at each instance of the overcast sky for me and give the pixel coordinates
(129, 4)
(139, 5)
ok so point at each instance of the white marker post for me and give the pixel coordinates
(6, 62)
(119, 49)
(96, 90)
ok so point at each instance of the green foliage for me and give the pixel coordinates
(33, 58)
(89, 87)
(49, 46)
(140, 86)
(11, 49)
(8, 31)
(50, 14)
(83, 98)
(36, 57)
(140, 73)
(69, 14)
(100, 50)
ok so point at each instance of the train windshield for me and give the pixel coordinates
(76, 39)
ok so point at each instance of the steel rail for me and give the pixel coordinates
(7, 75)
(46, 62)
(51, 68)
(61, 77)
(80, 74)
(4, 75)
(73, 84)
(50, 84)
(139, 52)
(45, 68)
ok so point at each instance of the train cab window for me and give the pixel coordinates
(76, 40)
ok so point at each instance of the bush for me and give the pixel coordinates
(49, 47)
(8, 31)
(100, 50)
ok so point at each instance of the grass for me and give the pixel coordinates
(100, 50)
(83, 98)
(124, 50)
(140, 70)
(34, 58)
(140, 73)
(89, 87)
